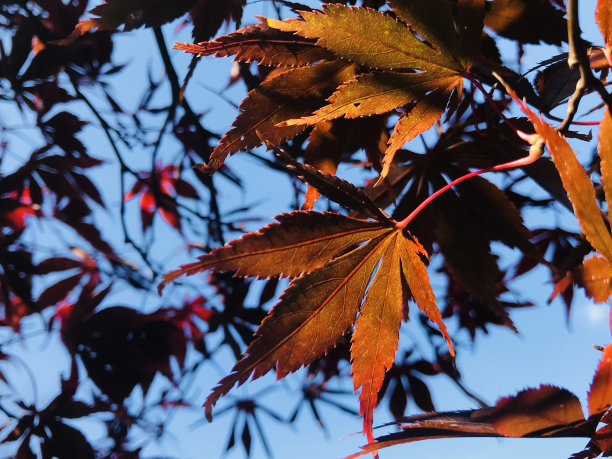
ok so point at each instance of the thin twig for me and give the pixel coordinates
(124, 168)
(578, 58)
(203, 134)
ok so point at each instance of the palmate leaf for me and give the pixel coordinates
(334, 260)
(442, 60)
(413, 58)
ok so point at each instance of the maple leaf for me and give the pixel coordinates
(418, 65)
(169, 186)
(441, 62)
(332, 259)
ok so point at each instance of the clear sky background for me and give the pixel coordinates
(549, 348)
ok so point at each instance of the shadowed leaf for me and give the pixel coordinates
(420, 118)
(334, 188)
(326, 145)
(291, 94)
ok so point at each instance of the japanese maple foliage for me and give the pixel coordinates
(414, 94)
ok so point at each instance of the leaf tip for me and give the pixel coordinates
(208, 169)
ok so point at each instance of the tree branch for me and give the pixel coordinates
(578, 58)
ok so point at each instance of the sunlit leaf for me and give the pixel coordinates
(299, 243)
(262, 44)
(377, 93)
(600, 395)
(348, 32)
(415, 275)
(603, 16)
(544, 412)
(596, 278)
(377, 331)
(604, 149)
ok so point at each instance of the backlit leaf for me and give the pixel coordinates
(262, 44)
(415, 275)
(596, 278)
(377, 93)
(535, 410)
(544, 412)
(348, 32)
(600, 395)
(326, 145)
(605, 155)
(377, 332)
(432, 20)
(603, 16)
(291, 94)
(299, 243)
